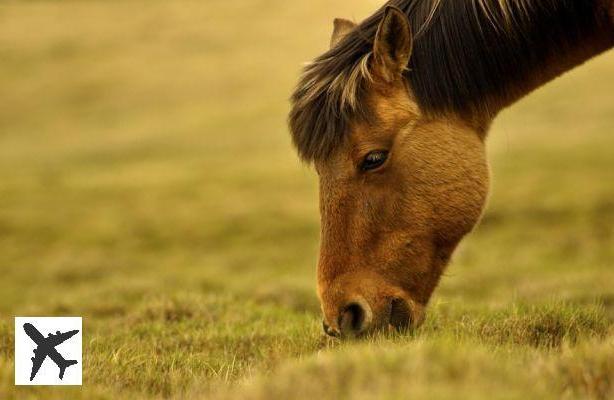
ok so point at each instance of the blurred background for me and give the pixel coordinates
(148, 184)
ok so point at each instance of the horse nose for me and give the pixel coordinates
(357, 317)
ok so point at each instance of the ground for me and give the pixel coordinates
(148, 184)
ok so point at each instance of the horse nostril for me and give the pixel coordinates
(400, 314)
(352, 319)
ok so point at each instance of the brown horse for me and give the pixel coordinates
(394, 117)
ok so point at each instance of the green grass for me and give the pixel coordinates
(148, 184)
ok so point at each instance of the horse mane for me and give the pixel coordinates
(469, 57)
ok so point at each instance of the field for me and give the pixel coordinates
(148, 184)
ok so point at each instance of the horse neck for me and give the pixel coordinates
(580, 50)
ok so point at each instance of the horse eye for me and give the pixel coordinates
(374, 160)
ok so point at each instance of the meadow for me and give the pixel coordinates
(148, 184)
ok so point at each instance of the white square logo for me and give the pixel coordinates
(48, 350)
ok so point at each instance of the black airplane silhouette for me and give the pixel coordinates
(46, 347)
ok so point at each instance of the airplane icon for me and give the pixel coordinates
(46, 347)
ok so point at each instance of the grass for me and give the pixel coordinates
(148, 184)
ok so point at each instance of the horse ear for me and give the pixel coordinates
(393, 44)
(341, 28)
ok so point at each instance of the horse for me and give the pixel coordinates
(394, 119)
